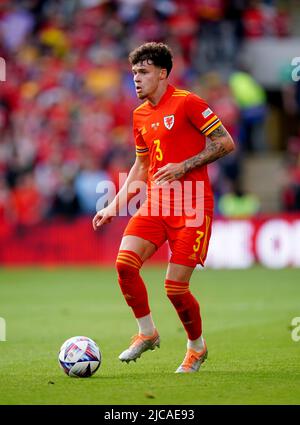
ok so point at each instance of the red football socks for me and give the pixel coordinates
(187, 307)
(128, 265)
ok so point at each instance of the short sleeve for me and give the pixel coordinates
(200, 114)
(140, 146)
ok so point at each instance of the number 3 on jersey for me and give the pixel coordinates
(159, 154)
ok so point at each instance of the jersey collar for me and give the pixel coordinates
(168, 93)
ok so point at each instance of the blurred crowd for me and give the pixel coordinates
(66, 105)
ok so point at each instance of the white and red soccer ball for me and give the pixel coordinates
(79, 357)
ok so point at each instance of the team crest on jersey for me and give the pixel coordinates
(169, 121)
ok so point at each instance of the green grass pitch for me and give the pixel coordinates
(247, 324)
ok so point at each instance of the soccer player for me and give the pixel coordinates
(176, 136)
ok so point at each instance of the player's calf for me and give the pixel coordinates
(186, 306)
(132, 285)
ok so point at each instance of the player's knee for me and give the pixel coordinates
(180, 295)
(176, 290)
(125, 271)
(128, 265)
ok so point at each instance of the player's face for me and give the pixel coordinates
(146, 78)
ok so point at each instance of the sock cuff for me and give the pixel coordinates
(130, 258)
(173, 287)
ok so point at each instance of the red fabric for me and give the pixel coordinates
(171, 132)
(27, 204)
(212, 10)
(187, 308)
(189, 245)
(132, 285)
(254, 22)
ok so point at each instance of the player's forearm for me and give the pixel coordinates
(216, 148)
(137, 173)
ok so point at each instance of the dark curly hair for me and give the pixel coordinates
(158, 53)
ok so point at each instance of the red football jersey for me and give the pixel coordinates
(172, 131)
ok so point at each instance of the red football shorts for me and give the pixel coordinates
(188, 245)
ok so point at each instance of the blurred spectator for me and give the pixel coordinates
(148, 27)
(27, 203)
(69, 96)
(86, 183)
(251, 98)
(238, 203)
(211, 51)
(66, 202)
(291, 189)
(183, 27)
(6, 212)
(15, 25)
(261, 19)
(219, 97)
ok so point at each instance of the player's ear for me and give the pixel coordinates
(163, 74)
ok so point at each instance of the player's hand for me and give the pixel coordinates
(103, 216)
(169, 173)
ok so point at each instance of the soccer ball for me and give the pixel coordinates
(79, 356)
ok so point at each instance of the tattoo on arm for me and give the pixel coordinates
(218, 132)
(213, 151)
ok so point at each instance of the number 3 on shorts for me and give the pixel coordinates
(159, 154)
(200, 234)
